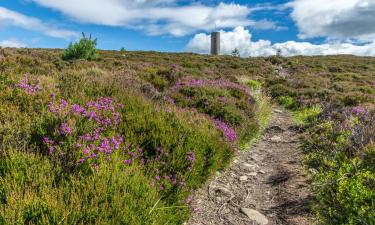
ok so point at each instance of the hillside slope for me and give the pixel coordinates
(128, 138)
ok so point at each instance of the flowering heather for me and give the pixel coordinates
(191, 157)
(65, 129)
(229, 133)
(28, 87)
(98, 134)
(358, 110)
(221, 83)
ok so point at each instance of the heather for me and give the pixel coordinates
(230, 105)
(332, 98)
(82, 145)
(126, 139)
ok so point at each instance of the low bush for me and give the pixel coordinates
(341, 151)
(229, 104)
(75, 157)
(307, 116)
(85, 48)
(287, 101)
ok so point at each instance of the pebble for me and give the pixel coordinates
(254, 174)
(255, 216)
(276, 139)
(243, 178)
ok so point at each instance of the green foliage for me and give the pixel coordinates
(307, 115)
(344, 181)
(85, 48)
(254, 84)
(287, 101)
(345, 193)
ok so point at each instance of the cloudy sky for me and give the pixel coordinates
(254, 27)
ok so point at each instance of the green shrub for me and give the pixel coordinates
(287, 101)
(254, 84)
(345, 193)
(307, 116)
(85, 48)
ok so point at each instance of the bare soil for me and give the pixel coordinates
(268, 178)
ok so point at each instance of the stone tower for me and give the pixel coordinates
(215, 43)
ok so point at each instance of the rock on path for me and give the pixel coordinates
(264, 185)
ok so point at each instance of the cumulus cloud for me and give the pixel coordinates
(9, 17)
(335, 19)
(240, 38)
(157, 16)
(12, 43)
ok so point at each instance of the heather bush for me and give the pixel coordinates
(229, 104)
(137, 161)
(341, 152)
(85, 48)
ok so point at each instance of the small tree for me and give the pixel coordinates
(85, 48)
(236, 53)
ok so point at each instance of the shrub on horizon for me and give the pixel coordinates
(85, 48)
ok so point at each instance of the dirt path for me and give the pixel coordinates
(264, 185)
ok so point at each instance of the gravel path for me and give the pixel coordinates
(264, 185)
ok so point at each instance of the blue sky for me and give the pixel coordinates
(255, 27)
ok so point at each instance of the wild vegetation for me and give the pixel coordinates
(128, 137)
(334, 98)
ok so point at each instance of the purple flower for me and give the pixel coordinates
(191, 157)
(65, 129)
(229, 133)
(358, 110)
(86, 151)
(27, 87)
(48, 141)
(128, 161)
(77, 109)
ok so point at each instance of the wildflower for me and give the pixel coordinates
(191, 157)
(27, 87)
(65, 129)
(77, 109)
(229, 133)
(128, 161)
(359, 110)
(48, 141)
(86, 151)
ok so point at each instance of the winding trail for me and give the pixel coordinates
(264, 185)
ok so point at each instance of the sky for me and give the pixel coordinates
(254, 27)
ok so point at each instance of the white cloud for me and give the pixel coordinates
(157, 16)
(335, 19)
(9, 17)
(12, 43)
(240, 38)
